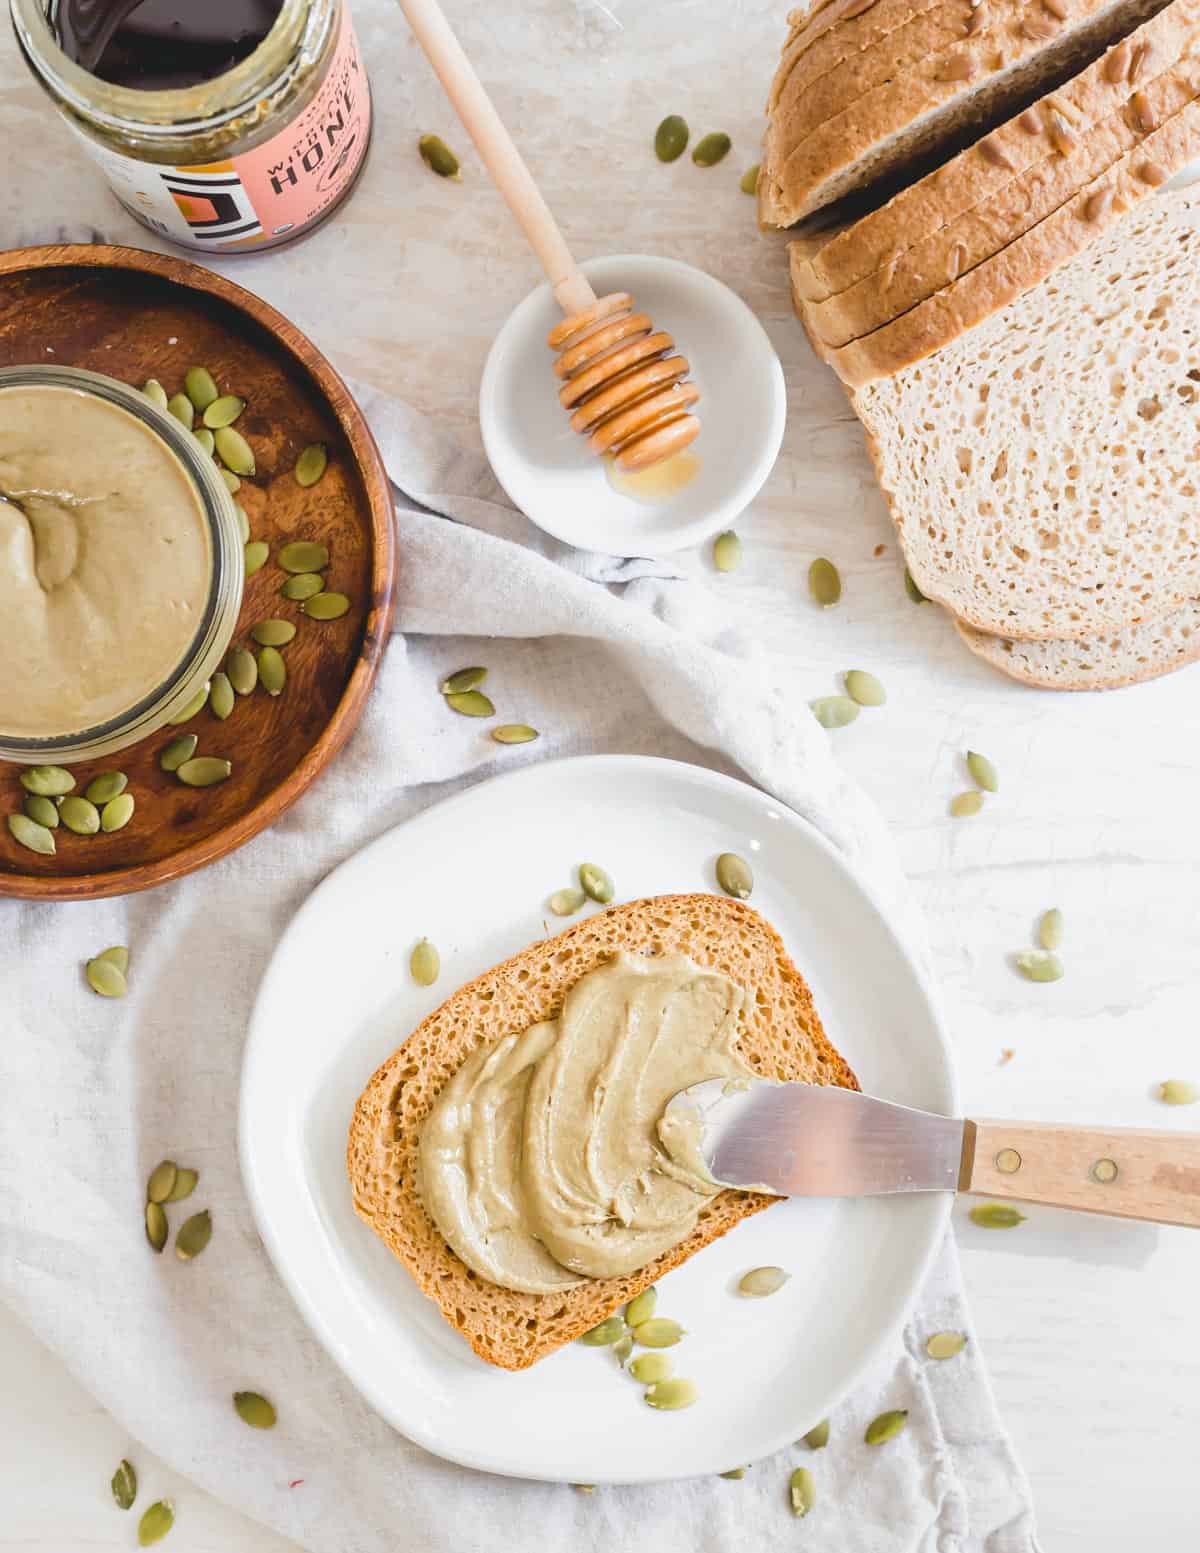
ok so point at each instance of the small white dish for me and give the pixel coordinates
(548, 470)
(767, 1370)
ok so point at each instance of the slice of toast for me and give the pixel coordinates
(781, 1037)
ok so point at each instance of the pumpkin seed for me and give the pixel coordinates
(1050, 928)
(650, 1368)
(658, 1332)
(205, 438)
(242, 670)
(47, 781)
(1178, 1091)
(762, 1281)
(155, 392)
(273, 633)
(463, 679)
(963, 805)
(734, 1472)
(182, 408)
(204, 771)
(439, 158)
(117, 813)
(221, 697)
(727, 551)
(886, 1427)
(185, 1185)
(272, 671)
(303, 555)
(105, 786)
(179, 750)
(118, 955)
(734, 875)
(514, 733)
(802, 1491)
(824, 582)
(156, 1226)
(983, 772)
(944, 1345)
(162, 1181)
(156, 1523)
(595, 882)
(910, 587)
(28, 833)
(232, 484)
(124, 1486)
(255, 556)
(223, 412)
(608, 1331)
(193, 1235)
(671, 138)
(41, 811)
(565, 903)
(749, 180)
(302, 586)
(817, 1437)
(622, 1349)
(425, 964)
(106, 979)
(79, 815)
(584, 1488)
(641, 1306)
(201, 387)
(834, 711)
(254, 1410)
(311, 464)
(235, 452)
(996, 1215)
(470, 703)
(711, 149)
(190, 708)
(671, 1395)
(1040, 965)
(325, 606)
(865, 688)
(243, 522)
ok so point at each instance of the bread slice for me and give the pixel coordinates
(918, 113)
(782, 1038)
(1128, 657)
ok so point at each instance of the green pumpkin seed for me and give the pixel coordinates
(711, 149)
(302, 586)
(996, 1215)
(106, 979)
(105, 786)
(155, 392)
(232, 484)
(205, 438)
(162, 1181)
(623, 1348)
(194, 1234)
(1040, 965)
(565, 903)
(470, 703)
(886, 1427)
(802, 1491)
(311, 464)
(254, 1410)
(204, 771)
(1178, 1091)
(179, 750)
(609, 1331)
(463, 679)
(910, 587)
(671, 1395)
(727, 551)
(671, 138)
(201, 387)
(944, 1345)
(834, 711)
(650, 1368)
(221, 698)
(47, 781)
(156, 1523)
(117, 813)
(255, 556)
(749, 180)
(325, 606)
(438, 157)
(303, 555)
(243, 522)
(514, 733)
(118, 955)
(763, 1281)
(273, 633)
(242, 670)
(156, 1226)
(425, 964)
(824, 582)
(658, 1332)
(235, 452)
(124, 1486)
(734, 876)
(28, 833)
(189, 710)
(641, 1306)
(817, 1437)
(42, 811)
(983, 773)
(1050, 928)
(734, 1472)
(595, 883)
(185, 1185)
(865, 688)
(963, 805)
(272, 671)
(223, 412)
(182, 408)
(79, 815)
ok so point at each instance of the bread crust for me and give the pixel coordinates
(1131, 657)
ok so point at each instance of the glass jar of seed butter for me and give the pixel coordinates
(121, 566)
(227, 126)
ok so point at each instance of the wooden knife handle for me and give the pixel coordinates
(1127, 1172)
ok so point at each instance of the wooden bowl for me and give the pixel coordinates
(136, 315)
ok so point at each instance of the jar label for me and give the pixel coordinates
(277, 190)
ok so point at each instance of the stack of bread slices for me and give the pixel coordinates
(1012, 300)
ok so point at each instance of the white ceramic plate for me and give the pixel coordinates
(548, 470)
(473, 874)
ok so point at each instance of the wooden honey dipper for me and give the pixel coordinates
(623, 382)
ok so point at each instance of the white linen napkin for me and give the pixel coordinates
(599, 654)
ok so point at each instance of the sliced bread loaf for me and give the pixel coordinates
(1126, 657)
(781, 1038)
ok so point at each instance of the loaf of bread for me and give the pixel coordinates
(781, 1038)
(1127, 657)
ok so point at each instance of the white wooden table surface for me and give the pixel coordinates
(1089, 1325)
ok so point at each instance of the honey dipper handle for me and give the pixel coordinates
(485, 127)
